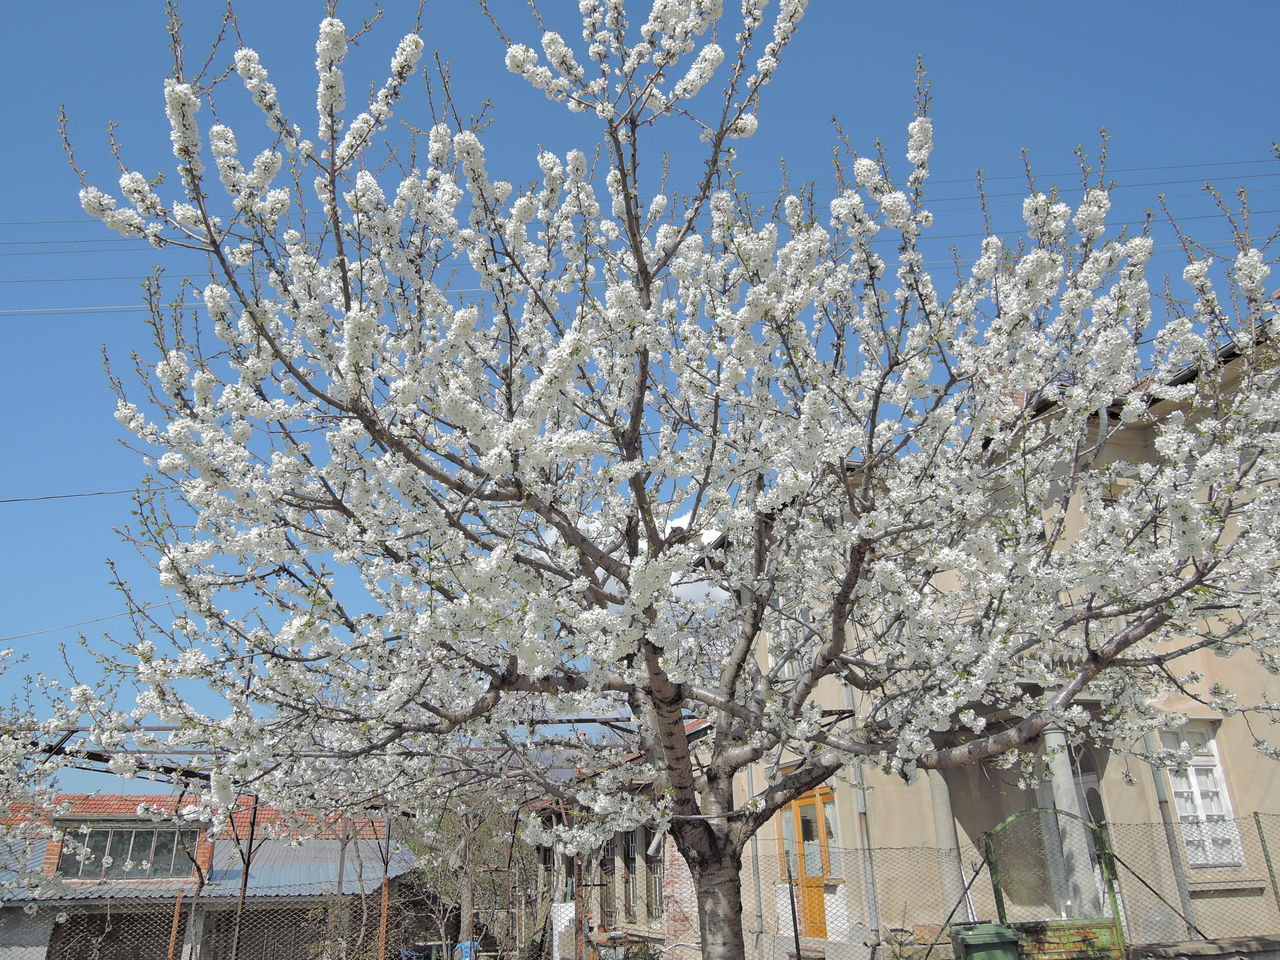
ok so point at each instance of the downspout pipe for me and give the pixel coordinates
(864, 831)
(868, 863)
(758, 932)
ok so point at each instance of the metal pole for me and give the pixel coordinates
(791, 887)
(1266, 855)
(1171, 840)
(864, 829)
(990, 856)
(1109, 875)
(755, 869)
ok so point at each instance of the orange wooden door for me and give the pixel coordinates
(808, 834)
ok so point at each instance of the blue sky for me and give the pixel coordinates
(1186, 94)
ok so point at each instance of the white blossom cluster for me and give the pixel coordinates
(673, 462)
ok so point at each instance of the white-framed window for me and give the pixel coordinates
(127, 852)
(1209, 834)
(653, 870)
(629, 844)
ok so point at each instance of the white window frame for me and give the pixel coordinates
(654, 879)
(1208, 839)
(76, 861)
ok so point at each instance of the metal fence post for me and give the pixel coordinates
(1266, 856)
(1109, 874)
(989, 853)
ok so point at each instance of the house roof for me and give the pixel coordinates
(121, 806)
(276, 869)
(291, 858)
(311, 868)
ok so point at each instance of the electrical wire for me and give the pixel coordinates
(83, 623)
(969, 197)
(199, 305)
(68, 496)
(998, 179)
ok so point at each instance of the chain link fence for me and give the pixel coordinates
(1172, 882)
(290, 923)
(395, 921)
(1192, 881)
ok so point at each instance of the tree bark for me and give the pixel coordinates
(718, 883)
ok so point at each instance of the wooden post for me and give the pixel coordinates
(579, 904)
(177, 922)
(382, 921)
(246, 857)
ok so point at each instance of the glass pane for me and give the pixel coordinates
(829, 821)
(1195, 841)
(811, 850)
(140, 854)
(82, 854)
(184, 859)
(96, 844)
(117, 852)
(1170, 740)
(789, 841)
(162, 853)
(1210, 792)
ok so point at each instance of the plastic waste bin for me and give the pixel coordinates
(984, 941)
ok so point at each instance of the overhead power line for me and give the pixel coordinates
(67, 496)
(1210, 164)
(84, 623)
(199, 305)
(139, 243)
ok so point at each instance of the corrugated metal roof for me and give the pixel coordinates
(276, 869)
(279, 869)
(21, 857)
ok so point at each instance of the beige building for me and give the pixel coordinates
(868, 865)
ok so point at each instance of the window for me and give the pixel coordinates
(653, 863)
(1209, 833)
(608, 911)
(629, 841)
(127, 852)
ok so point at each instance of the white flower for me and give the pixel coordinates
(867, 173)
(744, 126)
(919, 141)
(896, 209)
(180, 106)
(700, 71)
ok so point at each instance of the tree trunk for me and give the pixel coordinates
(718, 883)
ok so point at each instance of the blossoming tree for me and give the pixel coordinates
(449, 457)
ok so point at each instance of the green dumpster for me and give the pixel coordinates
(984, 941)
